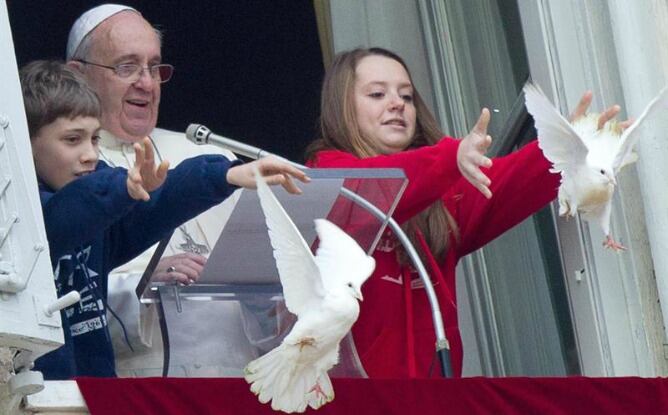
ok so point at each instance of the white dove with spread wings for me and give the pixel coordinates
(322, 291)
(588, 158)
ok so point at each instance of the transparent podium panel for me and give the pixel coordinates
(235, 312)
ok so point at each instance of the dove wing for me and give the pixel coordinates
(556, 137)
(340, 257)
(296, 265)
(630, 137)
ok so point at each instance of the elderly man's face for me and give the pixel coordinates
(129, 110)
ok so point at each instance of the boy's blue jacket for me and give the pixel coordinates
(93, 226)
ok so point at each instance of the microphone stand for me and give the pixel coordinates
(200, 135)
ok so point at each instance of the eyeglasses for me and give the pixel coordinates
(131, 72)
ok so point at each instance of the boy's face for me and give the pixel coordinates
(65, 150)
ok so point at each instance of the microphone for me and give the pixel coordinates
(199, 134)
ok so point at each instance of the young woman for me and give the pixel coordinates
(457, 200)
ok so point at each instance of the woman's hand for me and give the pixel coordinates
(605, 116)
(471, 155)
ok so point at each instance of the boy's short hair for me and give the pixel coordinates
(52, 90)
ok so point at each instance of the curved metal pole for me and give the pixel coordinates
(442, 344)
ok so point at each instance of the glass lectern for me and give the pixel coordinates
(241, 275)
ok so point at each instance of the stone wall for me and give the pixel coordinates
(5, 364)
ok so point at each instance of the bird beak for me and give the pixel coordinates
(613, 181)
(359, 296)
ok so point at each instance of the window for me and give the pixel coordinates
(513, 290)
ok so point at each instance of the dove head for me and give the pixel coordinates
(341, 260)
(604, 176)
(355, 290)
(354, 284)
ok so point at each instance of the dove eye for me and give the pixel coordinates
(603, 172)
(350, 284)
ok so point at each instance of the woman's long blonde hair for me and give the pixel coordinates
(339, 130)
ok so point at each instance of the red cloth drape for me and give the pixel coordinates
(545, 396)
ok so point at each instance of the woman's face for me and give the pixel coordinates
(384, 103)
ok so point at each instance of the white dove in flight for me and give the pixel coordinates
(587, 158)
(322, 291)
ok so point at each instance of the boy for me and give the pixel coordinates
(93, 218)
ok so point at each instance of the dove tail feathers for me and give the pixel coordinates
(290, 387)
